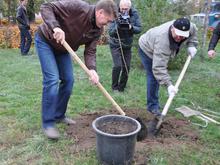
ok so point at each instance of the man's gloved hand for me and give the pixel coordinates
(172, 91)
(192, 51)
(130, 26)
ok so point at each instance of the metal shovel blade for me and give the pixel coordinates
(187, 112)
(142, 134)
(152, 129)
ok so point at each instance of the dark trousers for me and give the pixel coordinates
(119, 72)
(26, 40)
(152, 83)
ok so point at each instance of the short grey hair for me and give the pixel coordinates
(126, 2)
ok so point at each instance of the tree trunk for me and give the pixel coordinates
(31, 10)
(9, 10)
(205, 28)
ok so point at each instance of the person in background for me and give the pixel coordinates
(24, 27)
(77, 23)
(156, 47)
(213, 42)
(121, 34)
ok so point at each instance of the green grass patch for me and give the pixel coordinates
(21, 137)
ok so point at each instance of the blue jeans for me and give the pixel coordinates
(152, 83)
(58, 81)
(25, 40)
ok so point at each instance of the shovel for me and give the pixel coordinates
(143, 132)
(188, 112)
(155, 125)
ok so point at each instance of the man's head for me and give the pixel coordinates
(24, 2)
(124, 6)
(106, 11)
(180, 29)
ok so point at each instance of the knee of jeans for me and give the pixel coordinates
(68, 83)
(51, 82)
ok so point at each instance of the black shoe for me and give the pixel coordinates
(121, 89)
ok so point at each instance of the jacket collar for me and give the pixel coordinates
(92, 17)
(24, 7)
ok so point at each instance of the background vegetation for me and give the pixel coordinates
(21, 137)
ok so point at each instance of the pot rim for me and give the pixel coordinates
(113, 135)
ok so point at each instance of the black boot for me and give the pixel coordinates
(123, 79)
(115, 77)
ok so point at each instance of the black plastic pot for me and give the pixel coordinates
(115, 149)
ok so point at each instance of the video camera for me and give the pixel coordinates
(124, 20)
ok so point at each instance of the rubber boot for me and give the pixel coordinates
(123, 79)
(115, 77)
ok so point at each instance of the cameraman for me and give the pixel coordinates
(121, 37)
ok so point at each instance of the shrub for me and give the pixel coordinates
(152, 14)
(10, 36)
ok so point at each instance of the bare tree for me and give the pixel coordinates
(205, 27)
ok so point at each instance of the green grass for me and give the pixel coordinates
(21, 138)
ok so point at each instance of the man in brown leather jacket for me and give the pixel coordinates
(78, 23)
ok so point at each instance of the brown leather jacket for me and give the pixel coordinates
(77, 19)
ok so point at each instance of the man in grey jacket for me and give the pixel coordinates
(156, 47)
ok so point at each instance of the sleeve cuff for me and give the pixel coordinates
(91, 68)
(54, 25)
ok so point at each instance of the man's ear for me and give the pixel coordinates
(101, 11)
(98, 12)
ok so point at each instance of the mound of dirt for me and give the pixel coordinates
(173, 131)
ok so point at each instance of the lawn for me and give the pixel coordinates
(21, 137)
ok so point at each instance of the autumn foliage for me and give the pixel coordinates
(10, 35)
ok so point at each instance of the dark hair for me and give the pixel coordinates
(109, 6)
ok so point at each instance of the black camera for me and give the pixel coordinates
(124, 20)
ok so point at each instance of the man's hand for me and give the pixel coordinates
(172, 91)
(211, 53)
(94, 78)
(59, 35)
(192, 51)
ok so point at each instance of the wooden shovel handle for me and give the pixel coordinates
(170, 99)
(101, 88)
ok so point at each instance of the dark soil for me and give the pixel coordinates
(117, 127)
(173, 133)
